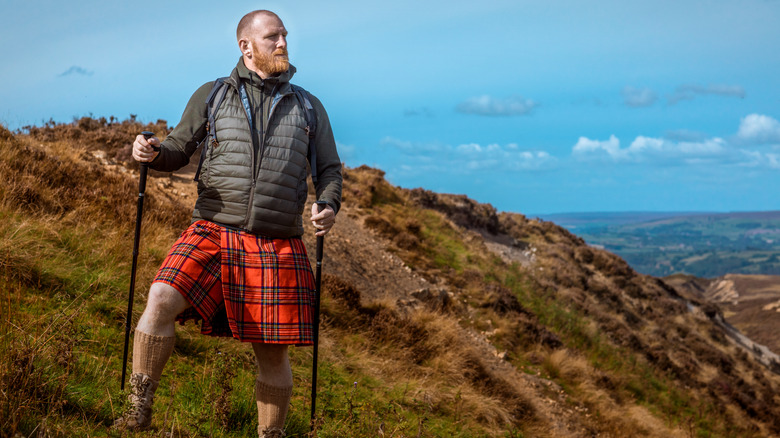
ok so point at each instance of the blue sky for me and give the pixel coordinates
(533, 106)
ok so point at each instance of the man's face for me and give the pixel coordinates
(269, 46)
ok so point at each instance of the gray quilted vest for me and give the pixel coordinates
(263, 194)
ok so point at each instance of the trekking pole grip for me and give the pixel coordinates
(320, 239)
(144, 165)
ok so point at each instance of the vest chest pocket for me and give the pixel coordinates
(211, 144)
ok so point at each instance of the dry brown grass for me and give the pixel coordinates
(432, 352)
(572, 328)
(650, 318)
(59, 203)
(34, 374)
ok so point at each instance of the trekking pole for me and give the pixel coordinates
(139, 214)
(317, 294)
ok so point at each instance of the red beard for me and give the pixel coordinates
(273, 64)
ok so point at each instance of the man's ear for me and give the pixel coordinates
(245, 46)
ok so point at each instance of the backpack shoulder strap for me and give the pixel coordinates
(311, 126)
(213, 101)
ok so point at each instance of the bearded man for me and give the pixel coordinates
(241, 268)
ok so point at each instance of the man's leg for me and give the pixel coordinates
(152, 347)
(273, 388)
(154, 334)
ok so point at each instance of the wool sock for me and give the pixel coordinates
(272, 405)
(150, 353)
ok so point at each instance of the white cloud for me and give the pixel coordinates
(346, 152)
(649, 149)
(638, 97)
(409, 148)
(496, 157)
(490, 106)
(760, 159)
(689, 92)
(759, 129)
(587, 146)
(773, 160)
(693, 148)
(470, 157)
(647, 146)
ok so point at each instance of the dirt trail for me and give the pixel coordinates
(355, 254)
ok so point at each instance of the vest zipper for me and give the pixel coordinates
(249, 118)
(261, 149)
(257, 158)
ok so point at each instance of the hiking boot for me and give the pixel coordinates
(139, 415)
(272, 432)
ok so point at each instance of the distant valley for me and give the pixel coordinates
(705, 245)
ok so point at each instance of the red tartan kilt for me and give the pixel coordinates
(242, 285)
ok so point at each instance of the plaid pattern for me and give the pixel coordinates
(243, 285)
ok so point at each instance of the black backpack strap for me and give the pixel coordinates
(213, 101)
(311, 126)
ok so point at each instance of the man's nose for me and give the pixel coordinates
(281, 43)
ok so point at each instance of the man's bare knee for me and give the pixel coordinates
(162, 306)
(163, 298)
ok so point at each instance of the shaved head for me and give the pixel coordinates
(248, 20)
(262, 39)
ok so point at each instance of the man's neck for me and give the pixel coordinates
(251, 67)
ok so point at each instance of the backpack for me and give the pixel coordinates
(217, 95)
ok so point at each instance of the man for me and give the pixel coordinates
(241, 267)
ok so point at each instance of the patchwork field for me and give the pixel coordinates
(701, 244)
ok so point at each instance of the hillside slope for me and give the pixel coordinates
(750, 302)
(441, 317)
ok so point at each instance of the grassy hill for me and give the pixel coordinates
(700, 244)
(441, 317)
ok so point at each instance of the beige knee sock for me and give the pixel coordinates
(272, 405)
(150, 353)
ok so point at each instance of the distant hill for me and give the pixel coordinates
(701, 244)
(586, 220)
(441, 317)
(575, 220)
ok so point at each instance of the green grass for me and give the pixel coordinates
(67, 318)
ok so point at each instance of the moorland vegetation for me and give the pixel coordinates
(441, 317)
